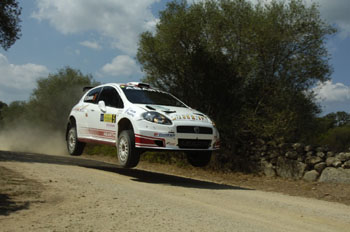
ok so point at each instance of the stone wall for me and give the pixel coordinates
(296, 161)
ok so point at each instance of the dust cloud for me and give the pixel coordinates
(33, 139)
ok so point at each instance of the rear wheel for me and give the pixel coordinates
(198, 158)
(74, 147)
(128, 155)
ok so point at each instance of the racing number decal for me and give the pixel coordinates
(111, 118)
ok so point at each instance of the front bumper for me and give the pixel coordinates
(192, 136)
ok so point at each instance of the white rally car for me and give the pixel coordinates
(136, 118)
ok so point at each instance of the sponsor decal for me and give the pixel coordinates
(144, 89)
(108, 118)
(91, 97)
(101, 134)
(109, 134)
(188, 117)
(130, 112)
(80, 108)
(133, 87)
(110, 125)
(147, 141)
(164, 135)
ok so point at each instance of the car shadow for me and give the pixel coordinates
(136, 174)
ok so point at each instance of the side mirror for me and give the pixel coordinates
(102, 106)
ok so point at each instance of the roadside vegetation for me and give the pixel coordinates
(10, 28)
(249, 67)
(50, 102)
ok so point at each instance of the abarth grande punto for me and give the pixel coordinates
(136, 118)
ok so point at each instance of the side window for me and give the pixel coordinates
(111, 97)
(92, 96)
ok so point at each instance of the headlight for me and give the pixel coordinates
(156, 118)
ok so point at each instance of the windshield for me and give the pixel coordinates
(150, 97)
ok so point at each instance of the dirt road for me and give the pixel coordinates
(57, 193)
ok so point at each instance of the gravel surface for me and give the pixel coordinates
(53, 193)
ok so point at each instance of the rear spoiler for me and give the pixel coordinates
(87, 88)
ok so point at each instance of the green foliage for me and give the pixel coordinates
(337, 139)
(14, 113)
(9, 23)
(247, 66)
(337, 119)
(50, 102)
(54, 96)
(3, 106)
(333, 130)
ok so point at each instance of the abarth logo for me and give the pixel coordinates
(196, 129)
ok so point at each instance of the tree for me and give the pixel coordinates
(9, 23)
(13, 113)
(3, 106)
(337, 138)
(248, 66)
(333, 130)
(338, 119)
(50, 103)
(54, 97)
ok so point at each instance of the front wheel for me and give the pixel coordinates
(73, 145)
(128, 155)
(198, 158)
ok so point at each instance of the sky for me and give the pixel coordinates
(100, 38)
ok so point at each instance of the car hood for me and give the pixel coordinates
(178, 113)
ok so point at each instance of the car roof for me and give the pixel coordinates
(136, 84)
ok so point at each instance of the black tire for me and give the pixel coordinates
(198, 158)
(128, 155)
(74, 147)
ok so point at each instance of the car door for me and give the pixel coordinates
(105, 115)
(85, 114)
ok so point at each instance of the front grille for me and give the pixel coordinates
(194, 130)
(194, 143)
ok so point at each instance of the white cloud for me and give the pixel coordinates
(91, 44)
(122, 66)
(330, 92)
(333, 97)
(120, 20)
(18, 80)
